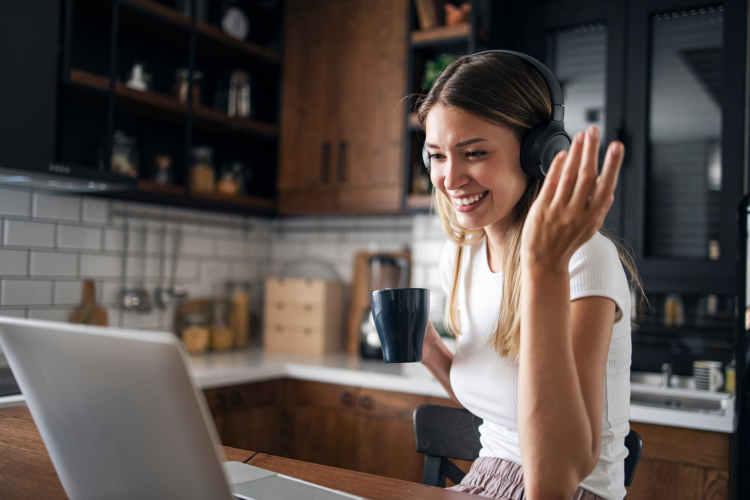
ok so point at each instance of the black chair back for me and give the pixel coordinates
(443, 432)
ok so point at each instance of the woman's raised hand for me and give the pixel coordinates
(572, 203)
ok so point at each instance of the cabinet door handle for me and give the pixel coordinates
(347, 398)
(366, 402)
(280, 305)
(221, 402)
(237, 398)
(341, 165)
(325, 162)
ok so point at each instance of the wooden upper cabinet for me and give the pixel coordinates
(341, 123)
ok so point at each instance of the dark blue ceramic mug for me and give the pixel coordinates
(400, 316)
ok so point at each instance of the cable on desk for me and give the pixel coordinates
(253, 455)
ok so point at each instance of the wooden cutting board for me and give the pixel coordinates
(89, 313)
(360, 295)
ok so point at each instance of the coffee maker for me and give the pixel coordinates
(385, 272)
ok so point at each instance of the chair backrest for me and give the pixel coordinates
(443, 432)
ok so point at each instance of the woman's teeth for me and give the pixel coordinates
(470, 200)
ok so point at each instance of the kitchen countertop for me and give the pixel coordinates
(254, 365)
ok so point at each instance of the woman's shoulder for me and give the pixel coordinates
(598, 251)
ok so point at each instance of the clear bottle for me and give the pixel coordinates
(124, 154)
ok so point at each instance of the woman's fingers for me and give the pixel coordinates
(588, 169)
(552, 179)
(569, 173)
(605, 186)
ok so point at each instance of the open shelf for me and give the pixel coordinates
(153, 187)
(441, 34)
(159, 11)
(150, 102)
(248, 201)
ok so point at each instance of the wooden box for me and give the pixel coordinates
(303, 316)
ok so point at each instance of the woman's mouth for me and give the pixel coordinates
(469, 203)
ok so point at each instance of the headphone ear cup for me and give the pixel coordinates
(526, 147)
(426, 158)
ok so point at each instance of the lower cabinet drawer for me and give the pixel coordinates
(280, 337)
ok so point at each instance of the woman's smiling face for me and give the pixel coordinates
(476, 164)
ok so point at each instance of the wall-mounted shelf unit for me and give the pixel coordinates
(79, 103)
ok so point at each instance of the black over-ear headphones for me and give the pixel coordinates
(541, 144)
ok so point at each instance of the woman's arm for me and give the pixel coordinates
(438, 359)
(564, 345)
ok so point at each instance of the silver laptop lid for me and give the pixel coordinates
(117, 410)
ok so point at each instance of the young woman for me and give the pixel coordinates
(537, 297)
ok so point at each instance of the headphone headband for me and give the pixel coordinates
(555, 91)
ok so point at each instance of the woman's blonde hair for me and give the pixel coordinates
(506, 91)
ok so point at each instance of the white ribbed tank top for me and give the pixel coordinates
(487, 384)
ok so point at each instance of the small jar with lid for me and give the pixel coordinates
(222, 336)
(162, 173)
(202, 172)
(180, 87)
(196, 332)
(124, 154)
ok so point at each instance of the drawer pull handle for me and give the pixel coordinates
(307, 331)
(308, 307)
(365, 402)
(279, 328)
(279, 305)
(347, 399)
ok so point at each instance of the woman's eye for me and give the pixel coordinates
(435, 156)
(475, 154)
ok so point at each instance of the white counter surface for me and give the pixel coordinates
(255, 365)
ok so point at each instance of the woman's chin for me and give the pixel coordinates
(470, 221)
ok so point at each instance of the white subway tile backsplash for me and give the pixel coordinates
(15, 202)
(100, 266)
(286, 251)
(54, 264)
(85, 238)
(214, 270)
(14, 262)
(427, 252)
(13, 313)
(62, 315)
(95, 210)
(258, 247)
(70, 292)
(185, 269)
(195, 245)
(111, 292)
(227, 248)
(144, 321)
(17, 292)
(324, 251)
(243, 271)
(114, 240)
(28, 234)
(57, 206)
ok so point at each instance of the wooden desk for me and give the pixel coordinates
(26, 471)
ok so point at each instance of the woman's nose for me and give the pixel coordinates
(455, 176)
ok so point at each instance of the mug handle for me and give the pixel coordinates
(716, 379)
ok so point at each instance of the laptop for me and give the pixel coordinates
(122, 418)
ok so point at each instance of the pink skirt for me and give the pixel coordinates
(502, 480)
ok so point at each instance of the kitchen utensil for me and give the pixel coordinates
(385, 272)
(708, 375)
(144, 299)
(89, 313)
(129, 298)
(400, 317)
(177, 293)
(162, 298)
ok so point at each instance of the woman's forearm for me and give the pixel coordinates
(554, 428)
(438, 359)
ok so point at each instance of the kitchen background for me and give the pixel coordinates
(52, 242)
(235, 128)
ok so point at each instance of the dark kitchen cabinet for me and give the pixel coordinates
(341, 132)
(668, 80)
(65, 96)
(249, 416)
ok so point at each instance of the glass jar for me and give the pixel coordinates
(202, 171)
(162, 173)
(124, 154)
(222, 336)
(227, 184)
(196, 332)
(180, 87)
